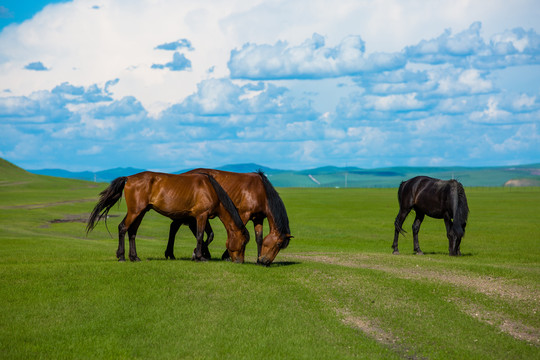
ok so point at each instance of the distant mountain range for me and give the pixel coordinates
(331, 176)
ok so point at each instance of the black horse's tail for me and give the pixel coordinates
(107, 199)
(461, 210)
(397, 225)
(277, 208)
(228, 205)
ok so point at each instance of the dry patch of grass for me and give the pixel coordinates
(487, 285)
(49, 204)
(498, 289)
(509, 326)
(373, 330)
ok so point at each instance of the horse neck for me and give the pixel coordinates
(272, 223)
(227, 220)
(234, 230)
(279, 229)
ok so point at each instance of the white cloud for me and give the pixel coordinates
(367, 82)
(309, 60)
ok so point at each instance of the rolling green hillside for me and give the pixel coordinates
(10, 173)
(21, 187)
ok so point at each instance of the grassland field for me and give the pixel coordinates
(337, 292)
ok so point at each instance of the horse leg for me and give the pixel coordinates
(258, 227)
(132, 233)
(200, 227)
(451, 237)
(121, 240)
(226, 255)
(169, 252)
(400, 218)
(416, 228)
(209, 237)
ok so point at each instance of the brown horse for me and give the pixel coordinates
(256, 199)
(435, 198)
(189, 198)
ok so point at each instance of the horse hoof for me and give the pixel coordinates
(135, 259)
(395, 252)
(121, 260)
(419, 253)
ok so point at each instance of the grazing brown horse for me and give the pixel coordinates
(255, 199)
(189, 198)
(435, 198)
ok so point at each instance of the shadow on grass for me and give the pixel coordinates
(249, 263)
(444, 253)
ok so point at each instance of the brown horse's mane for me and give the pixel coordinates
(276, 205)
(227, 204)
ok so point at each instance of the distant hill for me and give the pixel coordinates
(99, 176)
(241, 168)
(331, 176)
(392, 177)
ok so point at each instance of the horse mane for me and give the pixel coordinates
(461, 212)
(228, 204)
(277, 208)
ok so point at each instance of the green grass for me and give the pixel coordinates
(336, 292)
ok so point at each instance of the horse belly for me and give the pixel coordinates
(430, 206)
(175, 214)
(173, 203)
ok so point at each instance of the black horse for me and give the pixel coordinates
(438, 199)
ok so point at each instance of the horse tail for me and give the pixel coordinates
(228, 205)
(277, 207)
(461, 210)
(397, 225)
(107, 199)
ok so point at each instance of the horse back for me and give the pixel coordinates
(430, 196)
(175, 196)
(246, 190)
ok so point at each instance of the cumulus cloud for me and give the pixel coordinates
(178, 63)
(63, 104)
(36, 66)
(176, 45)
(222, 97)
(126, 108)
(310, 60)
(468, 48)
(446, 46)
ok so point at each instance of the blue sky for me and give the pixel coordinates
(163, 85)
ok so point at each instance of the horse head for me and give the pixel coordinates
(456, 233)
(236, 244)
(272, 243)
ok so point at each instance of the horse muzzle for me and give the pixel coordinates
(263, 260)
